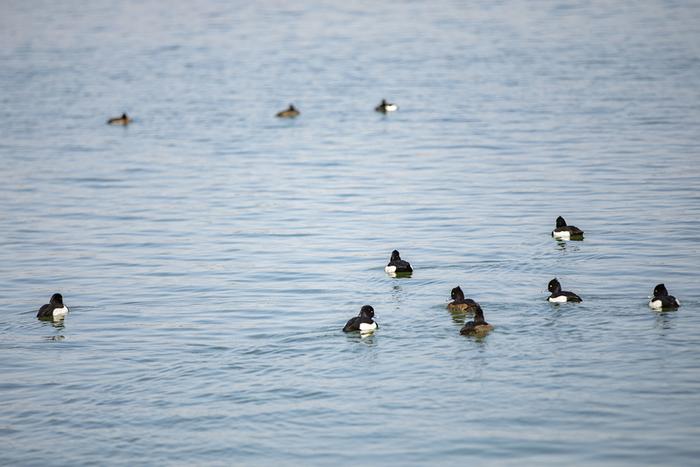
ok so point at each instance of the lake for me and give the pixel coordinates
(211, 253)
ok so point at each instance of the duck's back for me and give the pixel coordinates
(402, 266)
(572, 297)
(462, 305)
(475, 328)
(353, 324)
(46, 311)
(564, 296)
(567, 231)
(667, 301)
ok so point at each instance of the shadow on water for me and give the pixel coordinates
(367, 338)
(664, 319)
(397, 295)
(554, 313)
(58, 328)
(399, 275)
(56, 338)
(459, 317)
(568, 245)
(480, 339)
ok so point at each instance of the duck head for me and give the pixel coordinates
(660, 291)
(367, 312)
(57, 300)
(457, 294)
(554, 286)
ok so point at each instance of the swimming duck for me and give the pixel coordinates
(54, 309)
(363, 322)
(559, 295)
(478, 326)
(566, 232)
(291, 112)
(662, 300)
(459, 303)
(385, 107)
(123, 120)
(397, 265)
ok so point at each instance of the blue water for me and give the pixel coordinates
(210, 254)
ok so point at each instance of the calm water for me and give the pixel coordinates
(211, 253)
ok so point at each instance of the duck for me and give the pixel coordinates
(291, 112)
(364, 322)
(459, 303)
(397, 265)
(566, 232)
(478, 326)
(123, 120)
(385, 107)
(559, 295)
(662, 300)
(54, 309)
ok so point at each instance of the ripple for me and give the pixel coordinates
(212, 253)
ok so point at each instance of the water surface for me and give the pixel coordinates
(211, 253)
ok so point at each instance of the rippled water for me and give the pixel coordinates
(210, 253)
